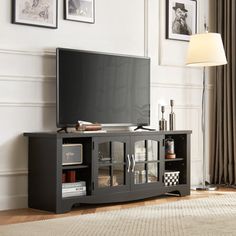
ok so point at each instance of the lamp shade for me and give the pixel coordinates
(206, 50)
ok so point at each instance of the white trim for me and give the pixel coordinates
(27, 104)
(28, 78)
(13, 172)
(146, 28)
(182, 86)
(45, 53)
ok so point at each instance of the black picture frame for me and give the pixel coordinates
(34, 13)
(181, 19)
(80, 10)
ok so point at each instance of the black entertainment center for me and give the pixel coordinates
(110, 165)
(70, 168)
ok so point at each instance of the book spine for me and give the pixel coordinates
(68, 190)
(76, 184)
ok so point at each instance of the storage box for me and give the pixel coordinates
(171, 178)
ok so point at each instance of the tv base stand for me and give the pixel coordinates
(62, 129)
(143, 128)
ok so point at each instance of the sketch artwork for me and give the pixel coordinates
(36, 12)
(79, 10)
(181, 19)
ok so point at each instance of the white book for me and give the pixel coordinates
(75, 184)
(75, 189)
(74, 194)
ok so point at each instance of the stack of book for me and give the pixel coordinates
(74, 189)
(88, 127)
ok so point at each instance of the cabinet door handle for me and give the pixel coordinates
(129, 163)
(133, 160)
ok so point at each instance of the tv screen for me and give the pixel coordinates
(105, 88)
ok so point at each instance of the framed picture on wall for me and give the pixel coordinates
(79, 10)
(35, 13)
(181, 19)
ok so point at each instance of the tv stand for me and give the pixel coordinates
(143, 128)
(62, 129)
(116, 167)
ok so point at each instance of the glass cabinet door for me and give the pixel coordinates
(146, 161)
(111, 164)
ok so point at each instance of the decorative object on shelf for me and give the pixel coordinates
(162, 122)
(171, 178)
(181, 19)
(88, 127)
(79, 10)
(170, 148)
(72, 154)
(143, 177)
(205, 50)
(172, 116)
(136, 177)
(35, 13)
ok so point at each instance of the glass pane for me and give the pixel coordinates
(140, 174)
(152, 172)
(118, 175)
(153, 152)
(140, 151)
(104, 177)
(118, 152)
(104, 152)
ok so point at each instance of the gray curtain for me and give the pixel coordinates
(223, 158)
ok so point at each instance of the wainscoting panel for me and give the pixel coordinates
(27, 104)
(20, 63)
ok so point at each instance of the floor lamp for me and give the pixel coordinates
(205, 50)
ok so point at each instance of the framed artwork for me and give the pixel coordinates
(181, 19)
(79, 10)
(41, 13)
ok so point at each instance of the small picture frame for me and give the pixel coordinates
(79, 10)
(181, 19)
(35, 13)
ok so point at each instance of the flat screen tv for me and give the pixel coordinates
(99, 87)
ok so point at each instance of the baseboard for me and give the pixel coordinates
(13, 202)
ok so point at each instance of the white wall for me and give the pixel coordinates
(27, 78)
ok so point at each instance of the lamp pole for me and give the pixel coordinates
(205, 50)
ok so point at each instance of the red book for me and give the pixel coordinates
(71, 176)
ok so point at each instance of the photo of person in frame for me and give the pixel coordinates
(179, 25)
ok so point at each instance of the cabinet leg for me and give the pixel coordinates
(184, 192)
(63, 209)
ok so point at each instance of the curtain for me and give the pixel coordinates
(223, 158)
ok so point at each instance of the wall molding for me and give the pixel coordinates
(146, 28)
(28, 78)
(181, 86)
(13, 172)
(28, 104)
(28, 52)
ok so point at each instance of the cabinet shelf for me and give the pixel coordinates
(71, 167)
(110, 163)
(146, 162)
(175, 159)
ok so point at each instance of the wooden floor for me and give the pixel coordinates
(27, 215)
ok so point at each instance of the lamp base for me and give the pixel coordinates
(206, 187)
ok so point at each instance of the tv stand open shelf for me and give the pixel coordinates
(116, 167)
